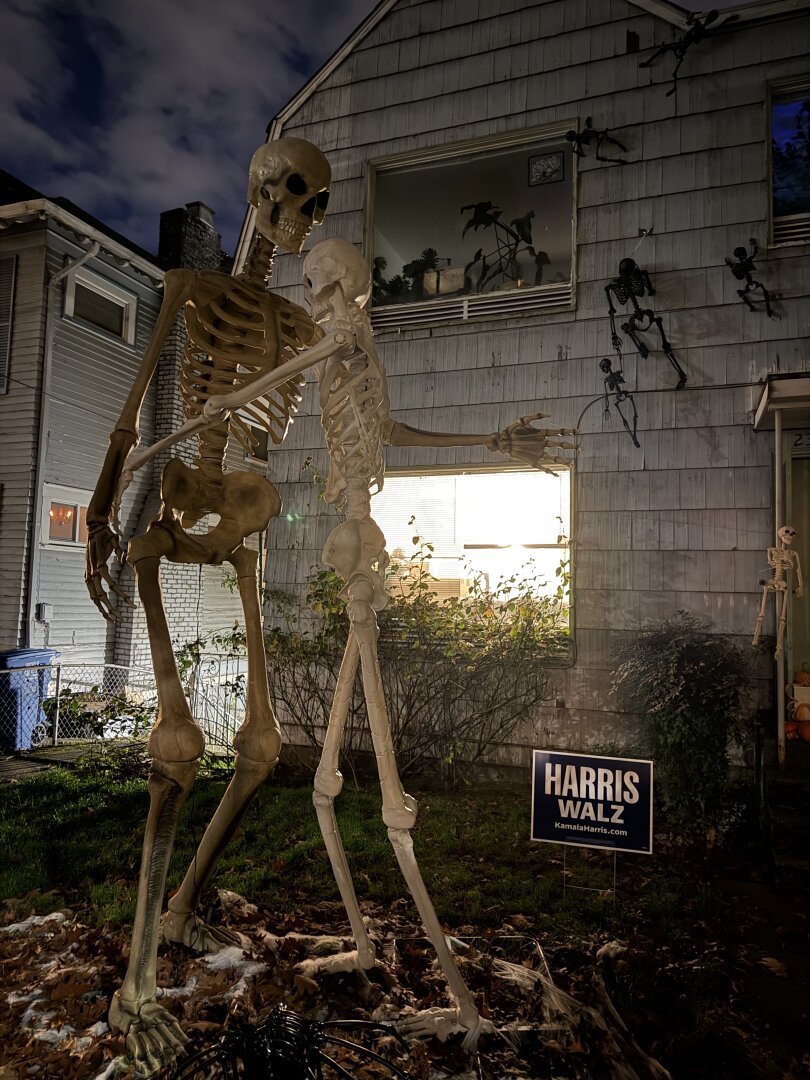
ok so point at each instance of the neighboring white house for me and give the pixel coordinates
(77, 306)
(445, 121)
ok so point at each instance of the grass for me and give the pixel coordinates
(73, 838)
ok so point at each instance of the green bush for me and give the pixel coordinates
(687, 686)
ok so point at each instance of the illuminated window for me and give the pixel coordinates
(493, 524)
(97, 302)
(64, 519)
(463, 232)
(790, 161)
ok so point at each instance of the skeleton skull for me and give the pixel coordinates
(787, 534)
(289, 186)
(331, 263)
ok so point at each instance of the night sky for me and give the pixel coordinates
(132, 107)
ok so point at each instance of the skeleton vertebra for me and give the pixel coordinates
(783, 561)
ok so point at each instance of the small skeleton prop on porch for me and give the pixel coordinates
(614, 387)
(590, 136)
(356, 420)
(742, 267)
(699, 30)
(631, 284)
(784, 562)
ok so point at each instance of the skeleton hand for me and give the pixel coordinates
(528, 444)
(103, 542)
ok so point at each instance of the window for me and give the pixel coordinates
(64, 518)
(99, 303)
(790, 161)
(461, 232)
(495, 524)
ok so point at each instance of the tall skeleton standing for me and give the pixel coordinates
(784, 562)
(249, 350)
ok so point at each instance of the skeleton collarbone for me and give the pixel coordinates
(238, 333)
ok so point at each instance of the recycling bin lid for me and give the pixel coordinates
(18, 658)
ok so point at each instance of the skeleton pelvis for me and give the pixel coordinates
(245, 503)
(357, 548)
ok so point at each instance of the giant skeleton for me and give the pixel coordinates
(248, 350)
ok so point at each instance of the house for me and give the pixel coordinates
(77, 306)
(465, 149)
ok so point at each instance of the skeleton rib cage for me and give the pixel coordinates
(233, 339)
(353, 397)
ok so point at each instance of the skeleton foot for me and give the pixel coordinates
(187, 929)
(154, 1039)
(441, 1024)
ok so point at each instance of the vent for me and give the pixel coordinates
(8, 265)
(464, 308)
(794, 229)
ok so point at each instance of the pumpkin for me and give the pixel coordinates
(802, 712)
(802, 678)
(804, 731)
(791, 729)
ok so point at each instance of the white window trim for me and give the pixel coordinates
(104, 288)
(58, 493)
(515, 302)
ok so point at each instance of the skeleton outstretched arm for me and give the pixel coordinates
(219, 406)
(520, 440)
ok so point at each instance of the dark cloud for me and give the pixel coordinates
(133, 108)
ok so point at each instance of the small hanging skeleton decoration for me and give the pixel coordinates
(614, 387)
(631, 284)
(699, 30)
(254, 359)
(784, 562)
(742, 267)
(590, 136)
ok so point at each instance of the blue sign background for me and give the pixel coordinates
(592, 801)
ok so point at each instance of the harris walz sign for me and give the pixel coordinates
(591, 801)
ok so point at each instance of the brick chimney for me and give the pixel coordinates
(189, 240)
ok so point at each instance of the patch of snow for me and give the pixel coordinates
(53, 1036)
(177, 991)
(232, 957)
(16, 998)
(35, 920)
(98, 1029)
(116, 1066)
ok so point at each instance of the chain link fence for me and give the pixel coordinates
(52, 704)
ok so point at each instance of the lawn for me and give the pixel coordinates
(72, 839)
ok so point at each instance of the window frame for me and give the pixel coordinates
(779, 88)
(514, 302)
(499, 468)
(59, 493)
(106, 289)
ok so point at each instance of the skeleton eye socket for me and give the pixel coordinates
(296, 184)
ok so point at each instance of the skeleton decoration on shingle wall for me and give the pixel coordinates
(248, 350)
(591, 136)
(699, 30)
(633, 284)
(784, 562)
(615, 389)
(742, 267)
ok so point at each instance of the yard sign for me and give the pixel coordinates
(601, 802)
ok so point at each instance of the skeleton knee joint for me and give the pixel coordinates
(328, 785)
(259, 742)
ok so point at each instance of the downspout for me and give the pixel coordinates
(42, 434)
(779, 510)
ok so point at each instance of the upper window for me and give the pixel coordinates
(490, 526)
(96, 301)
(64, 519)
(790, 161)
(470, 231)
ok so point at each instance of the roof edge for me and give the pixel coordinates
(44, 208)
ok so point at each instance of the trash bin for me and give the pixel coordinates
(24, 678)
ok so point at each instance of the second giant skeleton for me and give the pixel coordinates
(248, 350)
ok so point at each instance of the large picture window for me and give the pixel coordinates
(790, 161)
(490, 524)
(473, 227)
